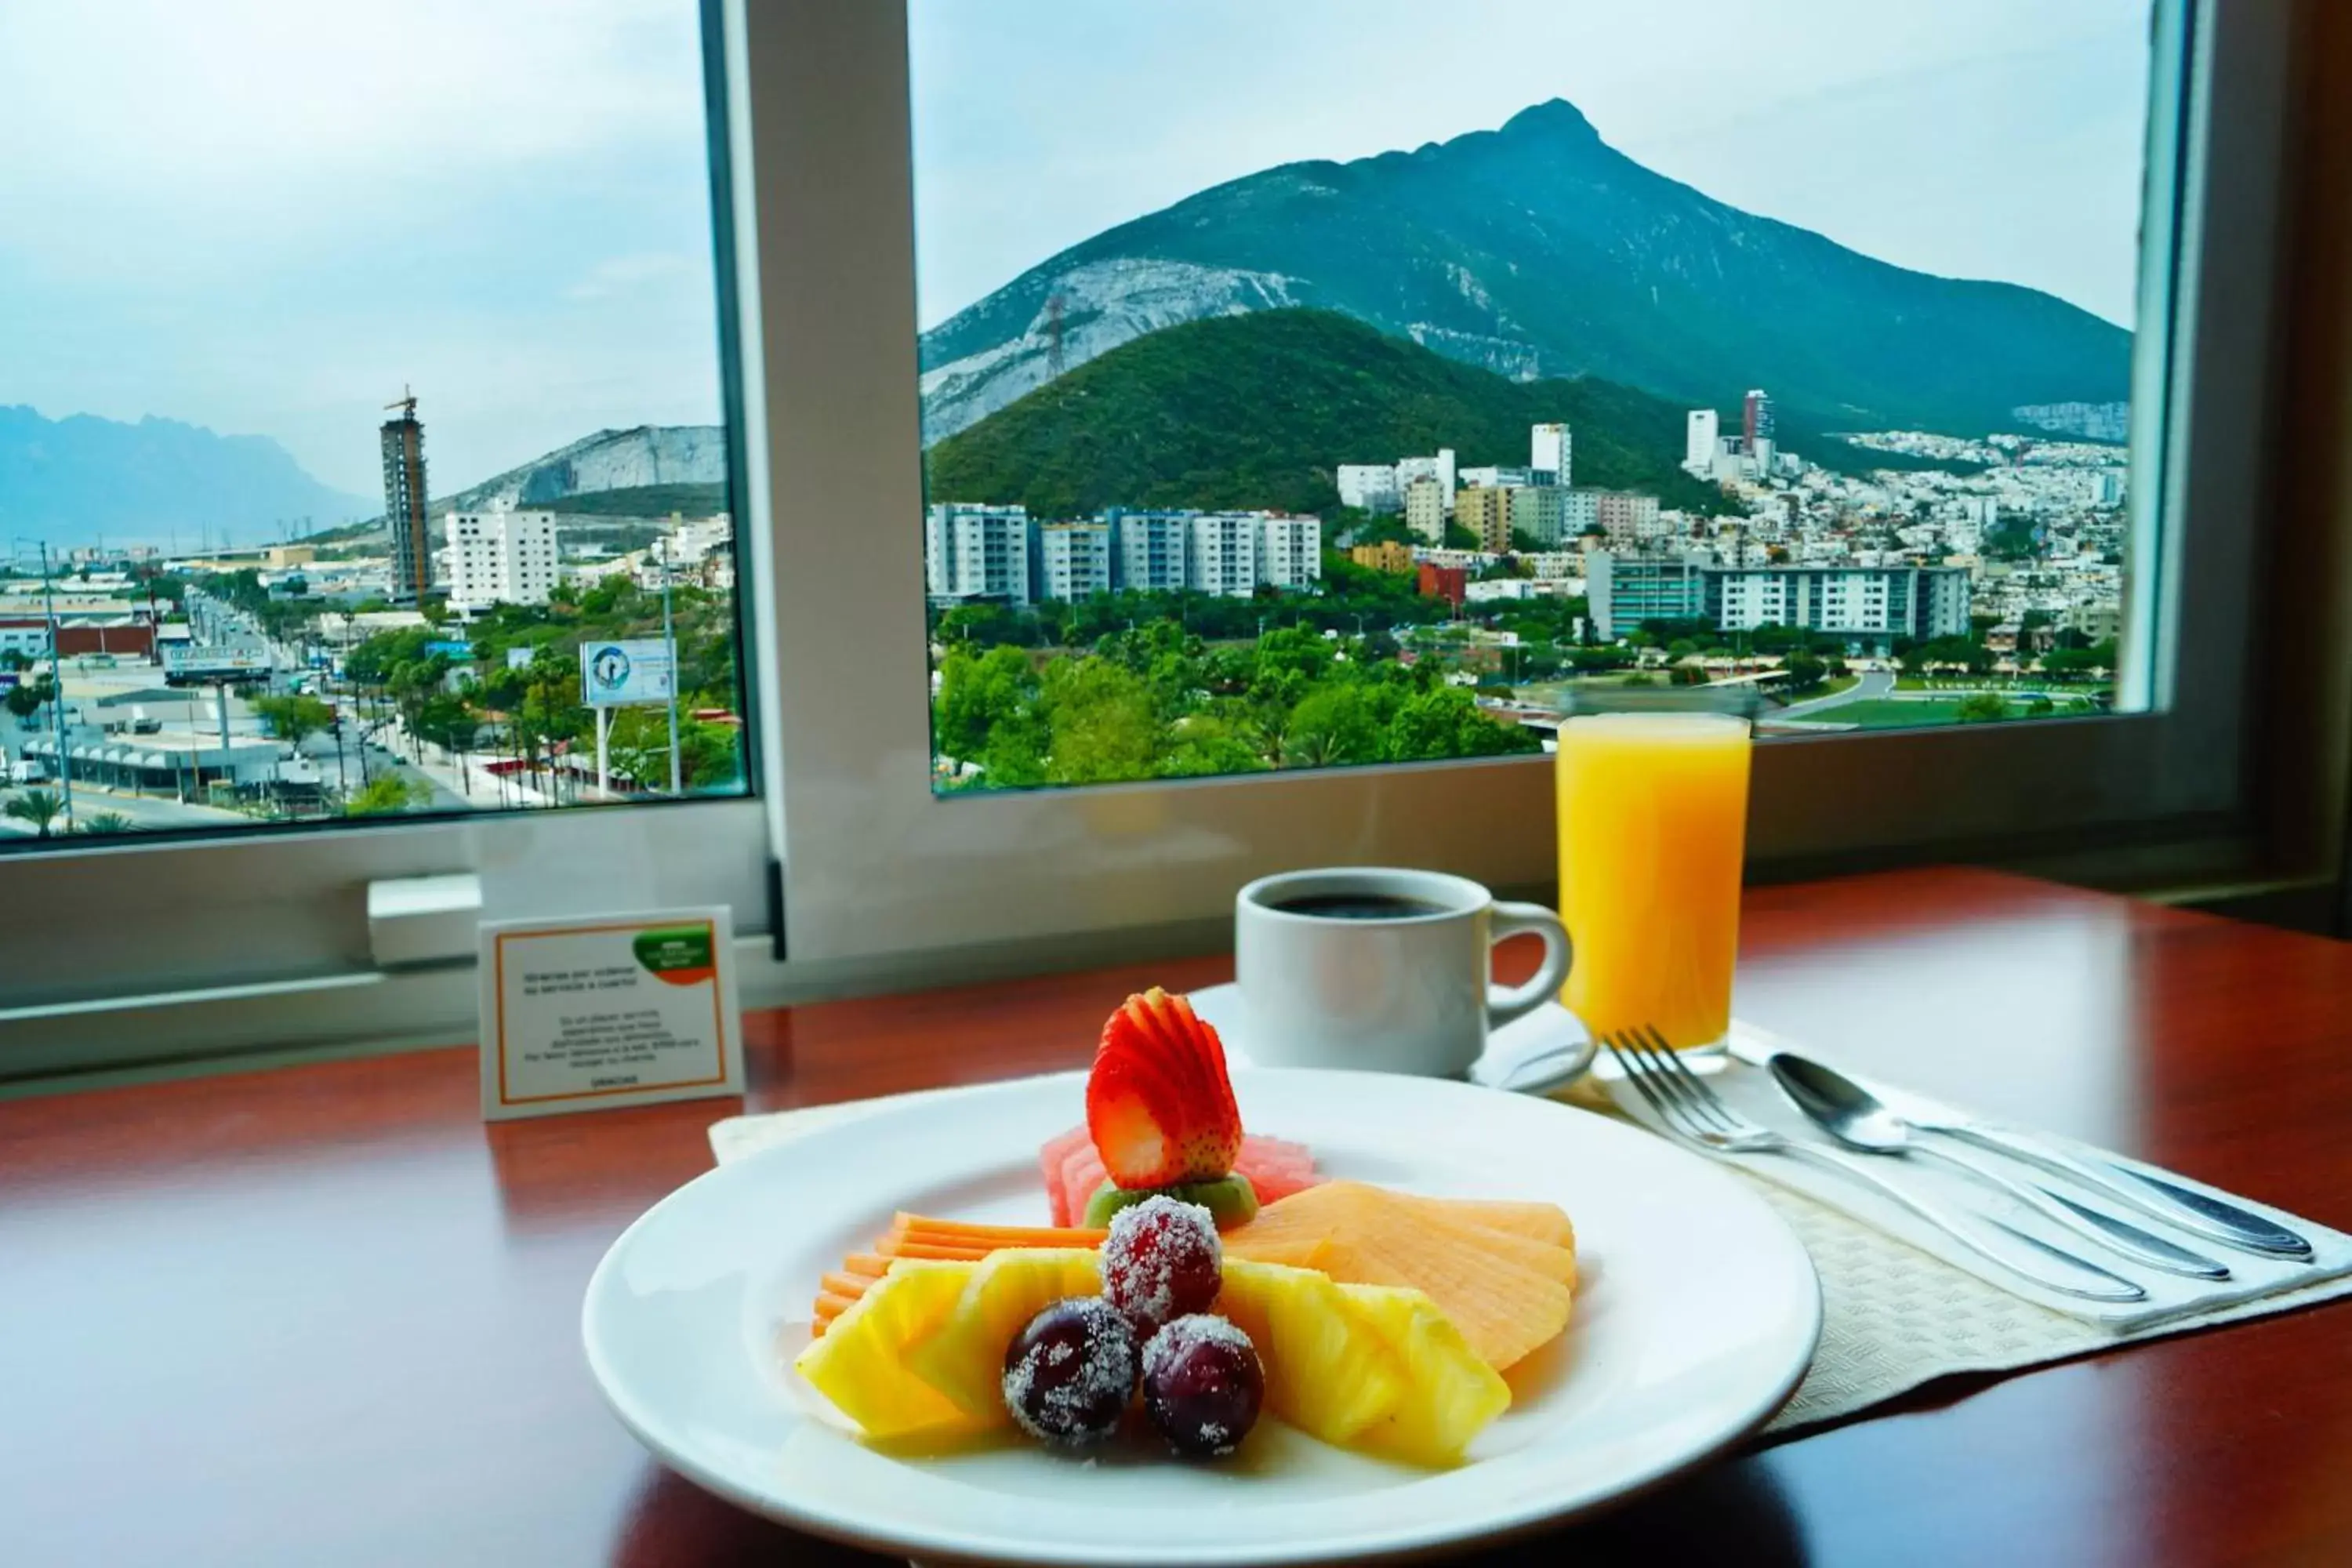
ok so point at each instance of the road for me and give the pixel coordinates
(143, 812)
(1874, 684)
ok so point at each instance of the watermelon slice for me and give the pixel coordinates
(1276, 1167)
(1050, 1159)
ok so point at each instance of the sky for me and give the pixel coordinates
(268, 217)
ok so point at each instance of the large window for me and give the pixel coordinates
(360, 440)
(1332, 383)
(1193, 418)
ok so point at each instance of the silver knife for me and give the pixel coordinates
(2209, 1217)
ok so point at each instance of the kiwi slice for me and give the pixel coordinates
(1230, 1200)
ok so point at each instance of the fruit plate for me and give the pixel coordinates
(1696, 1316)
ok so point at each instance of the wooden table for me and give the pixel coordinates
(323, 1315)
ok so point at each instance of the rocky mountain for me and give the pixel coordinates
(648, 457)
(1538, 251)
(70, 481)
(1256, 410)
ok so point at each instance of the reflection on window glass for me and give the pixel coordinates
(1335, 384)
(360, 440)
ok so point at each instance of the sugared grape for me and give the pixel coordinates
(1068, 1376)
(1161, 1261)
(1202, 1384)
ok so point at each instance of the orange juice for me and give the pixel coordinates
(1652, 822)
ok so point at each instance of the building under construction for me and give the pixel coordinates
(405, 502)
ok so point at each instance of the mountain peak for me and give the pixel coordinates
(1554, 120)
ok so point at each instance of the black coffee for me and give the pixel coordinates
(1359, 907)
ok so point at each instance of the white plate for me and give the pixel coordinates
(1549, 1038)
(1695, 1317)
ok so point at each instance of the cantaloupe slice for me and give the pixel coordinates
(1547, 1222)
(1508, 1292)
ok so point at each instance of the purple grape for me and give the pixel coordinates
(1161, 1262)
(1202, 1384)
(1068, 1376)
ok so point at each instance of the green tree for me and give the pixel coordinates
(983, 696)
(39, 808)
(448, 721)
(386, 794)
(1205, 745)
(26, 697)
(1981, 707)
(105, 822)
(1460, 537)
(1445, 722)
(1102, 722)
(2041, 708)
(1331, 725)
(1806, 673)
(291, 716)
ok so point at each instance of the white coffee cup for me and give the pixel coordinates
(1386, 970)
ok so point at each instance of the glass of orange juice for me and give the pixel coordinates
(1652, 824)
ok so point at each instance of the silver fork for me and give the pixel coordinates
(1693, 1112)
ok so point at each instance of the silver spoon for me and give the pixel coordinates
(1855, 1118)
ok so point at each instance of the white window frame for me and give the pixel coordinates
(142, 952)
(882, 872)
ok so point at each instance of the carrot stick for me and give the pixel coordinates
(1002, 1236)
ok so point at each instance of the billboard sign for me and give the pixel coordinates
(616, 674)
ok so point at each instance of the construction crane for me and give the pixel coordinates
(406, 402)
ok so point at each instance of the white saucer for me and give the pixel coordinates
(1537, 1040)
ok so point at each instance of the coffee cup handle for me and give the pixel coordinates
(1523, 919)
(1556, 1066)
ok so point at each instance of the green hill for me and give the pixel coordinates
(1258, 411)
(695, 500)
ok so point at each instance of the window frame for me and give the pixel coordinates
(882, 871)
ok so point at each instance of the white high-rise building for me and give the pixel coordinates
(1222, 557)
(499, 557)
(1148, 549)
(1290, 550)
(1698, 442)
(1425, 509)
(1552, 450)
(1440, 468)
(1073, 560)
(1497, 479)
(1370, 487)
(977, 552)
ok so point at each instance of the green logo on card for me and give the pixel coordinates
(678, 954)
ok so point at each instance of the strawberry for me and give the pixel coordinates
(1159, 1105)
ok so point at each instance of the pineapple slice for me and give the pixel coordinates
(1328, 1371)
(963, 1358)
(1450, 1394)
(860, 1362)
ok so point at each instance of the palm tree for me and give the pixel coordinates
(105, 822)
(41, 807)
